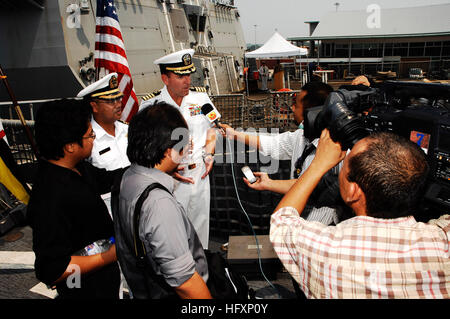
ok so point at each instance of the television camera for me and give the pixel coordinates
(418, 111)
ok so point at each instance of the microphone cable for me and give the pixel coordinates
(249, 221)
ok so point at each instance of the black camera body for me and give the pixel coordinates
(417, 111)
(340, 115)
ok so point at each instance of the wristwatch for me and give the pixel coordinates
(205, 156)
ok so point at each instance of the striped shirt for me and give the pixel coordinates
(364, 257)
(290, 146)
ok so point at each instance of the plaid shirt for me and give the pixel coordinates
(364, 257)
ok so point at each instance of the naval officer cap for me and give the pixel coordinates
(179, 62)
(107, 88)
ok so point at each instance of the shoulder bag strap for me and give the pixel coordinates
(161, 289)
(139, 247)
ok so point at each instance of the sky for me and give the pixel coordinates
(288, 16)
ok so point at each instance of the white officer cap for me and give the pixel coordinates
(106, 88)
(179, 62)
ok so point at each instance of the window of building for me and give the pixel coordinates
(400, 49)
(388, 49)
(327, 50)
(416, 49)
(446, 49)
(433, 51)
(357, 49)
(341, 51)
(372, 50)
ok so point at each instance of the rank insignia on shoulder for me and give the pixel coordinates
(151, 95)
(198, 89)
(121, 121)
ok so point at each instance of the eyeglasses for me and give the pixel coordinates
(92, 135)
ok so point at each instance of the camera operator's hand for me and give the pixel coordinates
(328, 153)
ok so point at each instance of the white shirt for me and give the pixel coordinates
(110, 152)
(286, 146)
(290, 146)
(190, 108)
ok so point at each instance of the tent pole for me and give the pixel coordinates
(301, 73)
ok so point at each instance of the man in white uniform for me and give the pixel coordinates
(110, 145)
(111, 135)
(192, 185)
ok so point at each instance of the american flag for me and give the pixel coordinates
(110, 55)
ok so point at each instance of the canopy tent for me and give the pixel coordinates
(276, 47)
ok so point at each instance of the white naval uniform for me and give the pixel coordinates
(109, 152)
(195, 198)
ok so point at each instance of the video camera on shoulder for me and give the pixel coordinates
(418, 111)
(340, 115)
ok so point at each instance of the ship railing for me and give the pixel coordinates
(267, 111)
(15, 133)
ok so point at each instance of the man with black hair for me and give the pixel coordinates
(66, 211)
(158, 138)
(382, 252)
(292, 146)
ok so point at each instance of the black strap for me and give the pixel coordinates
(155, 284)
(299, 163)
(138, 245)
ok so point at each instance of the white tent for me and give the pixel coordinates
(276, 47)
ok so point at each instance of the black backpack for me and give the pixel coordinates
(223, 281)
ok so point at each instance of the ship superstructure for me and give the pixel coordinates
(48, 46)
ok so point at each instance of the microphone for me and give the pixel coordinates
(211, 114)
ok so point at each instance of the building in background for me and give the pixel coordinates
(381, 40)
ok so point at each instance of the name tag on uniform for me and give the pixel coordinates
(104, 150)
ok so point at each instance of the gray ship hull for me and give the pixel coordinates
(48, 46)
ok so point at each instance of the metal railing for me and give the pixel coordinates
(18, 142)
(269, 111)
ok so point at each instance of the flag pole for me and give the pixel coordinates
(19, 113)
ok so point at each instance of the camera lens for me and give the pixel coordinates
(344, 125)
